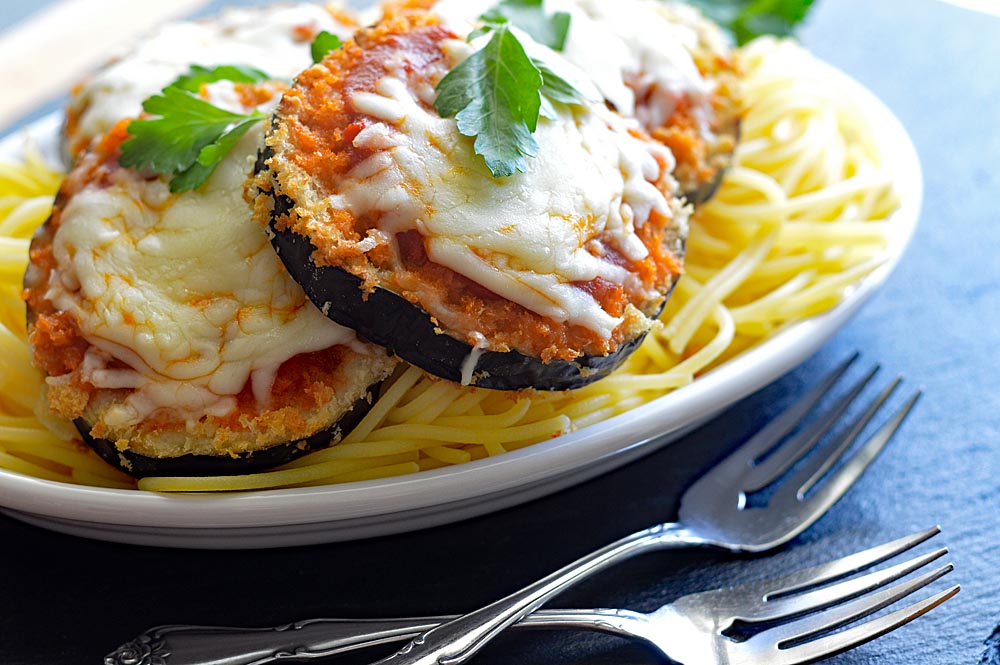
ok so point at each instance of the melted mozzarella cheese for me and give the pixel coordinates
(269, 39)
(630, 49)
(522, 237)
(184, 289)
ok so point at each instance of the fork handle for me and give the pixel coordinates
(323, 638)
(302, 640)
(438, 640)
(459, 639)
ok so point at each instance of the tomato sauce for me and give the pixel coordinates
(320, 124)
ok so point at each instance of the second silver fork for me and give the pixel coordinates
(713, 511)
(793, 616)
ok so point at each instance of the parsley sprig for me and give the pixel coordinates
(499, 92)
(186, 137)
(323, 44)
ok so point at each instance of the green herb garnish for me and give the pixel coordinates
(528, 15)
(187, 137)
(199, 76)
(498, 93)
(748, 19)
(323, 44)
(494, 97)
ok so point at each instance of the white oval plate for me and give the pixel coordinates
(280, 518)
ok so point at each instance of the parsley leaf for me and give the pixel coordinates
(494, 97)
(211, 155)
(187, 139)
(199, 76)
(529, 15)
(748, 19)
(499, 92)
(323, 44)
(556, 87)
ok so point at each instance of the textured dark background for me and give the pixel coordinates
(66, 601)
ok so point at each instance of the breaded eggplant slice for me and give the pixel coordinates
(661, 63)
(169, 331)
(383, 212)
(273, 39)
(702, 130)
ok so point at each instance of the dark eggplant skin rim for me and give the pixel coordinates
(706, 191)
(143, 466)
(703, 194)
(406, 330)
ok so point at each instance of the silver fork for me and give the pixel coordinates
(691, 630)
(713, 511)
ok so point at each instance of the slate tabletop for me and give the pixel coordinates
(69, 601)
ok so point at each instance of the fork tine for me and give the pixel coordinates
(784, 606)
(831, 645)
(797, 446)
(845, 441)
(854, 563)
(834, 486)
(784, 423)
(758, 594)
(813, 625)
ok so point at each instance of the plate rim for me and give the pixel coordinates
(572, 453)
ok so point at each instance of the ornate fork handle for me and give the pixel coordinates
(438, 640)
(458, 640)
(322, 638)
(303, 640)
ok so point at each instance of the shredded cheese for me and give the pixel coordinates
(525, 237)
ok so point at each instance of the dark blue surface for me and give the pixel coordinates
(68, 601)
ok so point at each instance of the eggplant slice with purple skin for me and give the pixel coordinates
(172, 337)
(366, 291)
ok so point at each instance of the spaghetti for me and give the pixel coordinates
(800, 217)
